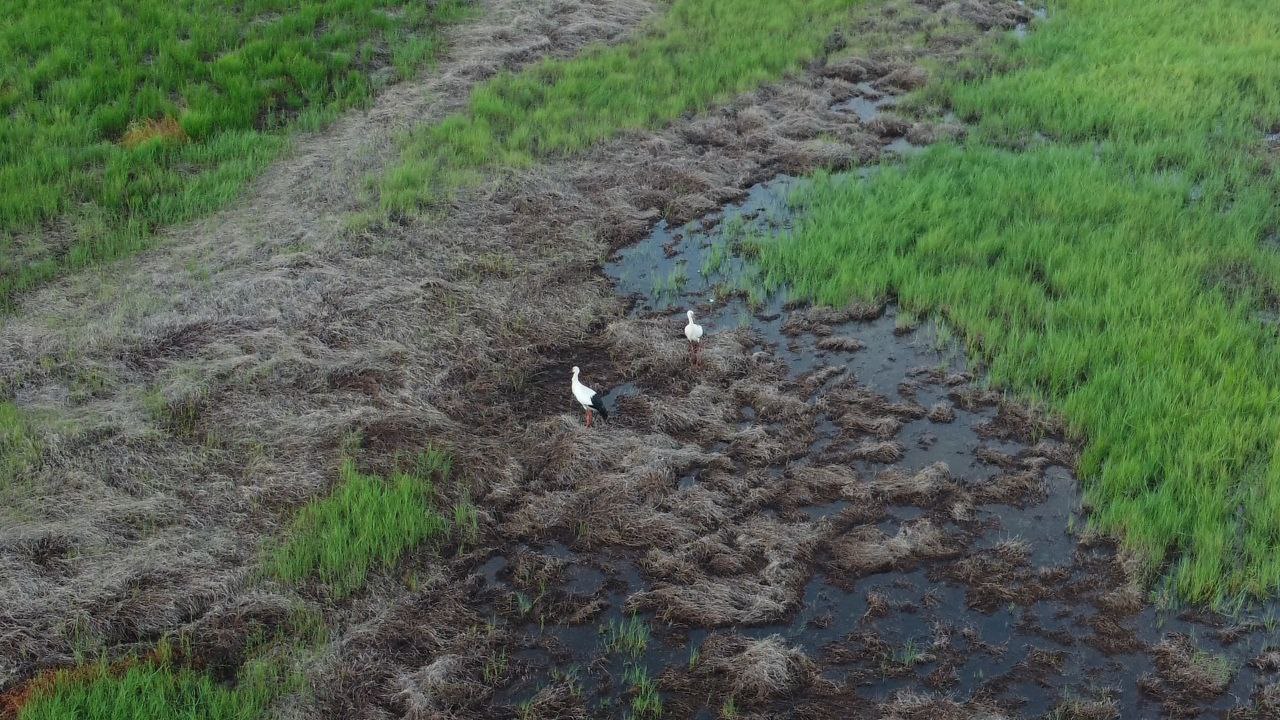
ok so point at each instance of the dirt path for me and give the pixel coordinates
(150, 499)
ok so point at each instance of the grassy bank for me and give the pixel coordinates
(126, 115)
(700, 52)
(366, 522)
(1101, 241)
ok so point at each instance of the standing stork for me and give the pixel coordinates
(588, 398)
(693, 332)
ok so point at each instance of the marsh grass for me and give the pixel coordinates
(629, 636)
(1097, 244)
(130, 114)
(646, 703)
(157, 687)
(365, 523)
(699, 53)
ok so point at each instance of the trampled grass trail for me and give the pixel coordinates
(1105, 241)
(126, 115)
(699, 53)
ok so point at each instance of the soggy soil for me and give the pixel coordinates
(828, 516)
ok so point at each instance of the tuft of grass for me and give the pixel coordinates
(1099, 243)
(646, 703)
(700, 53)
(365, 523)
(466, 521)
(629, 636)
(495, 668)
(124, 115)
(909, 655)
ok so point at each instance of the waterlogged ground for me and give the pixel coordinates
(954, 578)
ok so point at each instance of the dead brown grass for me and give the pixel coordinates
(752, 671)
(165, 129)
(749, 574)
(942, 413)
(840, 343)
(923, 487)
(866, 549)
(1184, 673)
(887, 451)
(1078, 709)
(906, 705)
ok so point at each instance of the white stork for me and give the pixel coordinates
(588, 398)
(693, 332)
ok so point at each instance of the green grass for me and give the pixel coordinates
(646, 703)
(156, 690)
(701, 52)
(1115, 267)
(19, 452)
(365, 523)
(124, 115)
(629, 636)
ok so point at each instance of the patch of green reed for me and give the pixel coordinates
(124, 115)
(1097, 243)
(365, 523)
(699, 53)
(629, 636)
(158, 689)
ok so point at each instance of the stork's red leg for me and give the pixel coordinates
(588, 418)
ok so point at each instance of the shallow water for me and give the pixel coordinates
(1021, 30)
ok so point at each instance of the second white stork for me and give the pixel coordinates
(588, 398)
(693, 332)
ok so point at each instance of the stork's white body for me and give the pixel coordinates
(692, 330)
(588, 398)
(582, 393)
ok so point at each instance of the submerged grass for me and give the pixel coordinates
(1100, 242)
(700, 52)
(366, 522)
(124, 115)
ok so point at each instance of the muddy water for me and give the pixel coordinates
(1025, 654)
